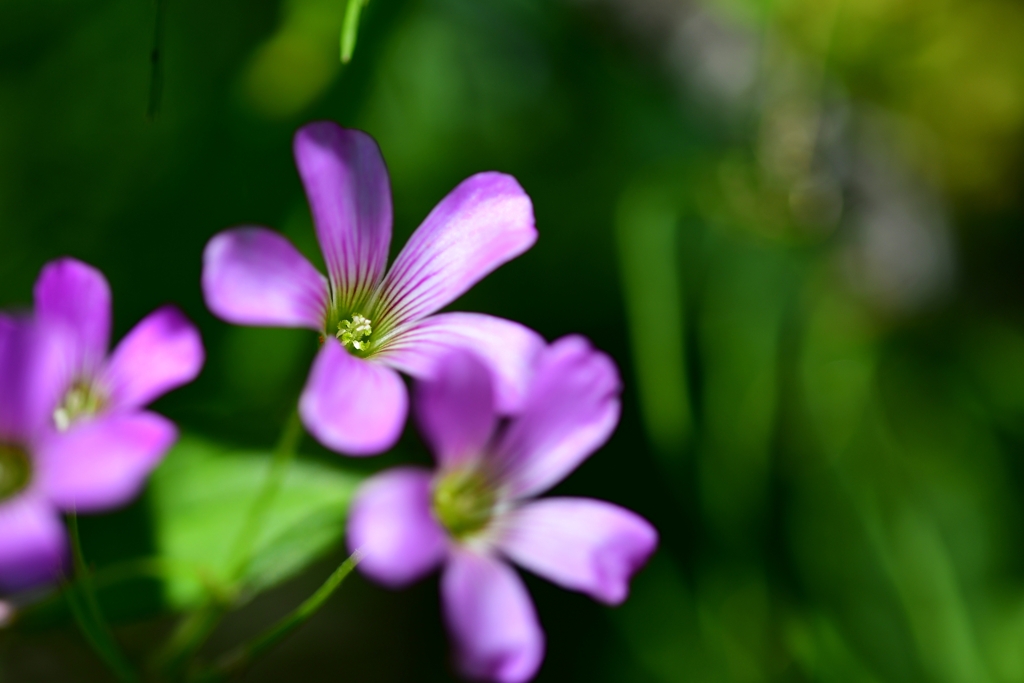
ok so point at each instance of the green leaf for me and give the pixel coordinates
(201, 495)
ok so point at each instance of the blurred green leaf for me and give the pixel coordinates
(295, 65)
(822, 653)
(838, 366)
(645, 229)
(744, 303)
(659, 625)
(995, 357)
(201, 495)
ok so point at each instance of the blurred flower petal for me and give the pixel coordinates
(162, 352)
(580, 544)
(455, 411)
(491, 619)
(352, 405)
(571, 409)
(255, 276)
(102, 463)
(33, 373)
(508, 348)
(391, 524)
(75, 297)
(33, 545)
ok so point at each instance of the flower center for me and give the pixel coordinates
(464, 502)
(82, 400)
(354, 332)
(15, 471)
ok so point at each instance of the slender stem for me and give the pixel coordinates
(188, 637)
(149, 567)
(197, 627)
(241, 553)
(237, 660)
(137, 568)
(86, 609)
(350, 30)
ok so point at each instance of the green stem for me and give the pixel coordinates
(241, 553)
(149, 567)
(129, 570)
(85, 608)
(188, 637)
(237, 660)
(349, 31)
(197, 627)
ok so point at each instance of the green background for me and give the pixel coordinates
(796, 225)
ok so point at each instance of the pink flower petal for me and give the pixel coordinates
(162, 352)
(455, 411)
(34, 373)
(491, 619)
(350, 198)
(75, 296)
(102, 464)
(33, 546)
(12, 378)
(255, 276)
(484, 222)
(580, 544)
(508, 348)
(391, 524)
(351, 405)
(571, 409)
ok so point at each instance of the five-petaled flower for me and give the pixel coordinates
(74, 435)
(476, 511)
(374, 323)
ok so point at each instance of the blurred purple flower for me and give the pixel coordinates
(475, 512)
(375, 322)
(73, 432)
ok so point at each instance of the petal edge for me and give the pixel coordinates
(162, 352)
(75, 296)
(508, 348)
(580, 544)
(570, 410)
(33, 545)
(103, 463)
(486, 221)
(391, 524)
(491, 619)
(255, 276)
(351, 405)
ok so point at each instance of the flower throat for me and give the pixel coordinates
(15, 471)
(80, 401)
(464, 502)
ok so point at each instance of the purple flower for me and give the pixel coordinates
(476, 512)
(73, 432)
(373, 322)
(32, 546)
